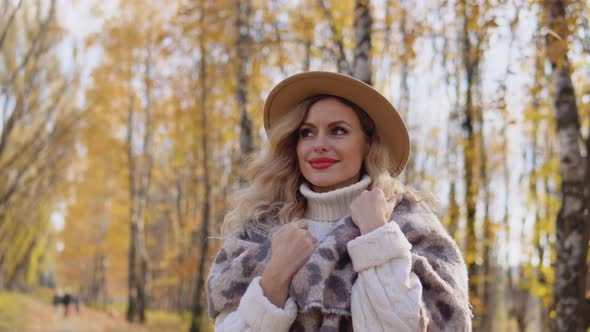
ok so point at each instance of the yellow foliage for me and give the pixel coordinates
(175, 62)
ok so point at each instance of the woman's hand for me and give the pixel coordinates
(292, 245)
(371, 210)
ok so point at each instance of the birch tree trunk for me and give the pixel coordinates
(244, 9)
(451, 157)
(140, 168)
(341, 61)
(197, 309)
(487, 269)
(361, 64)
(132, 274)
(470, 63)
(572, 224)
(404, 101)
(145, 185)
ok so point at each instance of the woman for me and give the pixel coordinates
(325, 237)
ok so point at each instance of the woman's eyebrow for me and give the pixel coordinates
(340, 122)
(331, 124)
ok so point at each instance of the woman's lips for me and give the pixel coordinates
(322, 163)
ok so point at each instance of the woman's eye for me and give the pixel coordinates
(339, 131)
(305, 132)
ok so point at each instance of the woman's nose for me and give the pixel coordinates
(320, 144)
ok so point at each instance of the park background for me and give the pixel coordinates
(125, 127)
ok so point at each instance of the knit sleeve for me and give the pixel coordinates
(387, 294)
(256, 313)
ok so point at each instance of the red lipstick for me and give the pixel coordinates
(322, 163)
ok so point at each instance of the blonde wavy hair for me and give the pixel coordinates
(273, 198)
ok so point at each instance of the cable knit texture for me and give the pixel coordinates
(407, 275)
(378, 247)
(258, 314)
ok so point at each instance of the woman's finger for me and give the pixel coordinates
(394, 200)
(280, 230)
(302, 223)
(313, 238)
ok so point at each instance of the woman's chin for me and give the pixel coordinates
(318, 181)
(325, 180)
(322, 184)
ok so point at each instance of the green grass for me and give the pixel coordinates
(12, 307)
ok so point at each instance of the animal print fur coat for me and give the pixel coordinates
(322, 287)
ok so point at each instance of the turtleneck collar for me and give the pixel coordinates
(332, 205)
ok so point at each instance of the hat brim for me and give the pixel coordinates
(390, 126)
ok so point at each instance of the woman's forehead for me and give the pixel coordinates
(331, 110)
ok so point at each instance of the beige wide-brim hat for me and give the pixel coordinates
(389, 124)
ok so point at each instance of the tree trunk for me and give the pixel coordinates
(198, 310)
(101, 282)
(451, 157)
(137, 253)
(572, 223)
(487, 269)
(404, 102)
(547, 321)
(132, 277)
(471, 66)
(342, 63)
(140, 168)
(308, 36)
(521, 322)
(454, 213)
(16, 280)
(146, 172)
(244, 9)
(361, 64)
(403, 59)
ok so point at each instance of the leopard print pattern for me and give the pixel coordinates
(322, 287)
(325, 281)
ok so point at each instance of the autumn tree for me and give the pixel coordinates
(572, 222)
(243, 50)
(133, 54)
(37, 121)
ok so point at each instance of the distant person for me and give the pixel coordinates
(66, 300)
(77, 303)
(56, 301)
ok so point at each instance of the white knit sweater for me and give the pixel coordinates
(386, 295)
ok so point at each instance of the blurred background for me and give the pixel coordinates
(125, 126)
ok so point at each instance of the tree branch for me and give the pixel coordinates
(8, 24)
(343, 64)
(35, 47)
